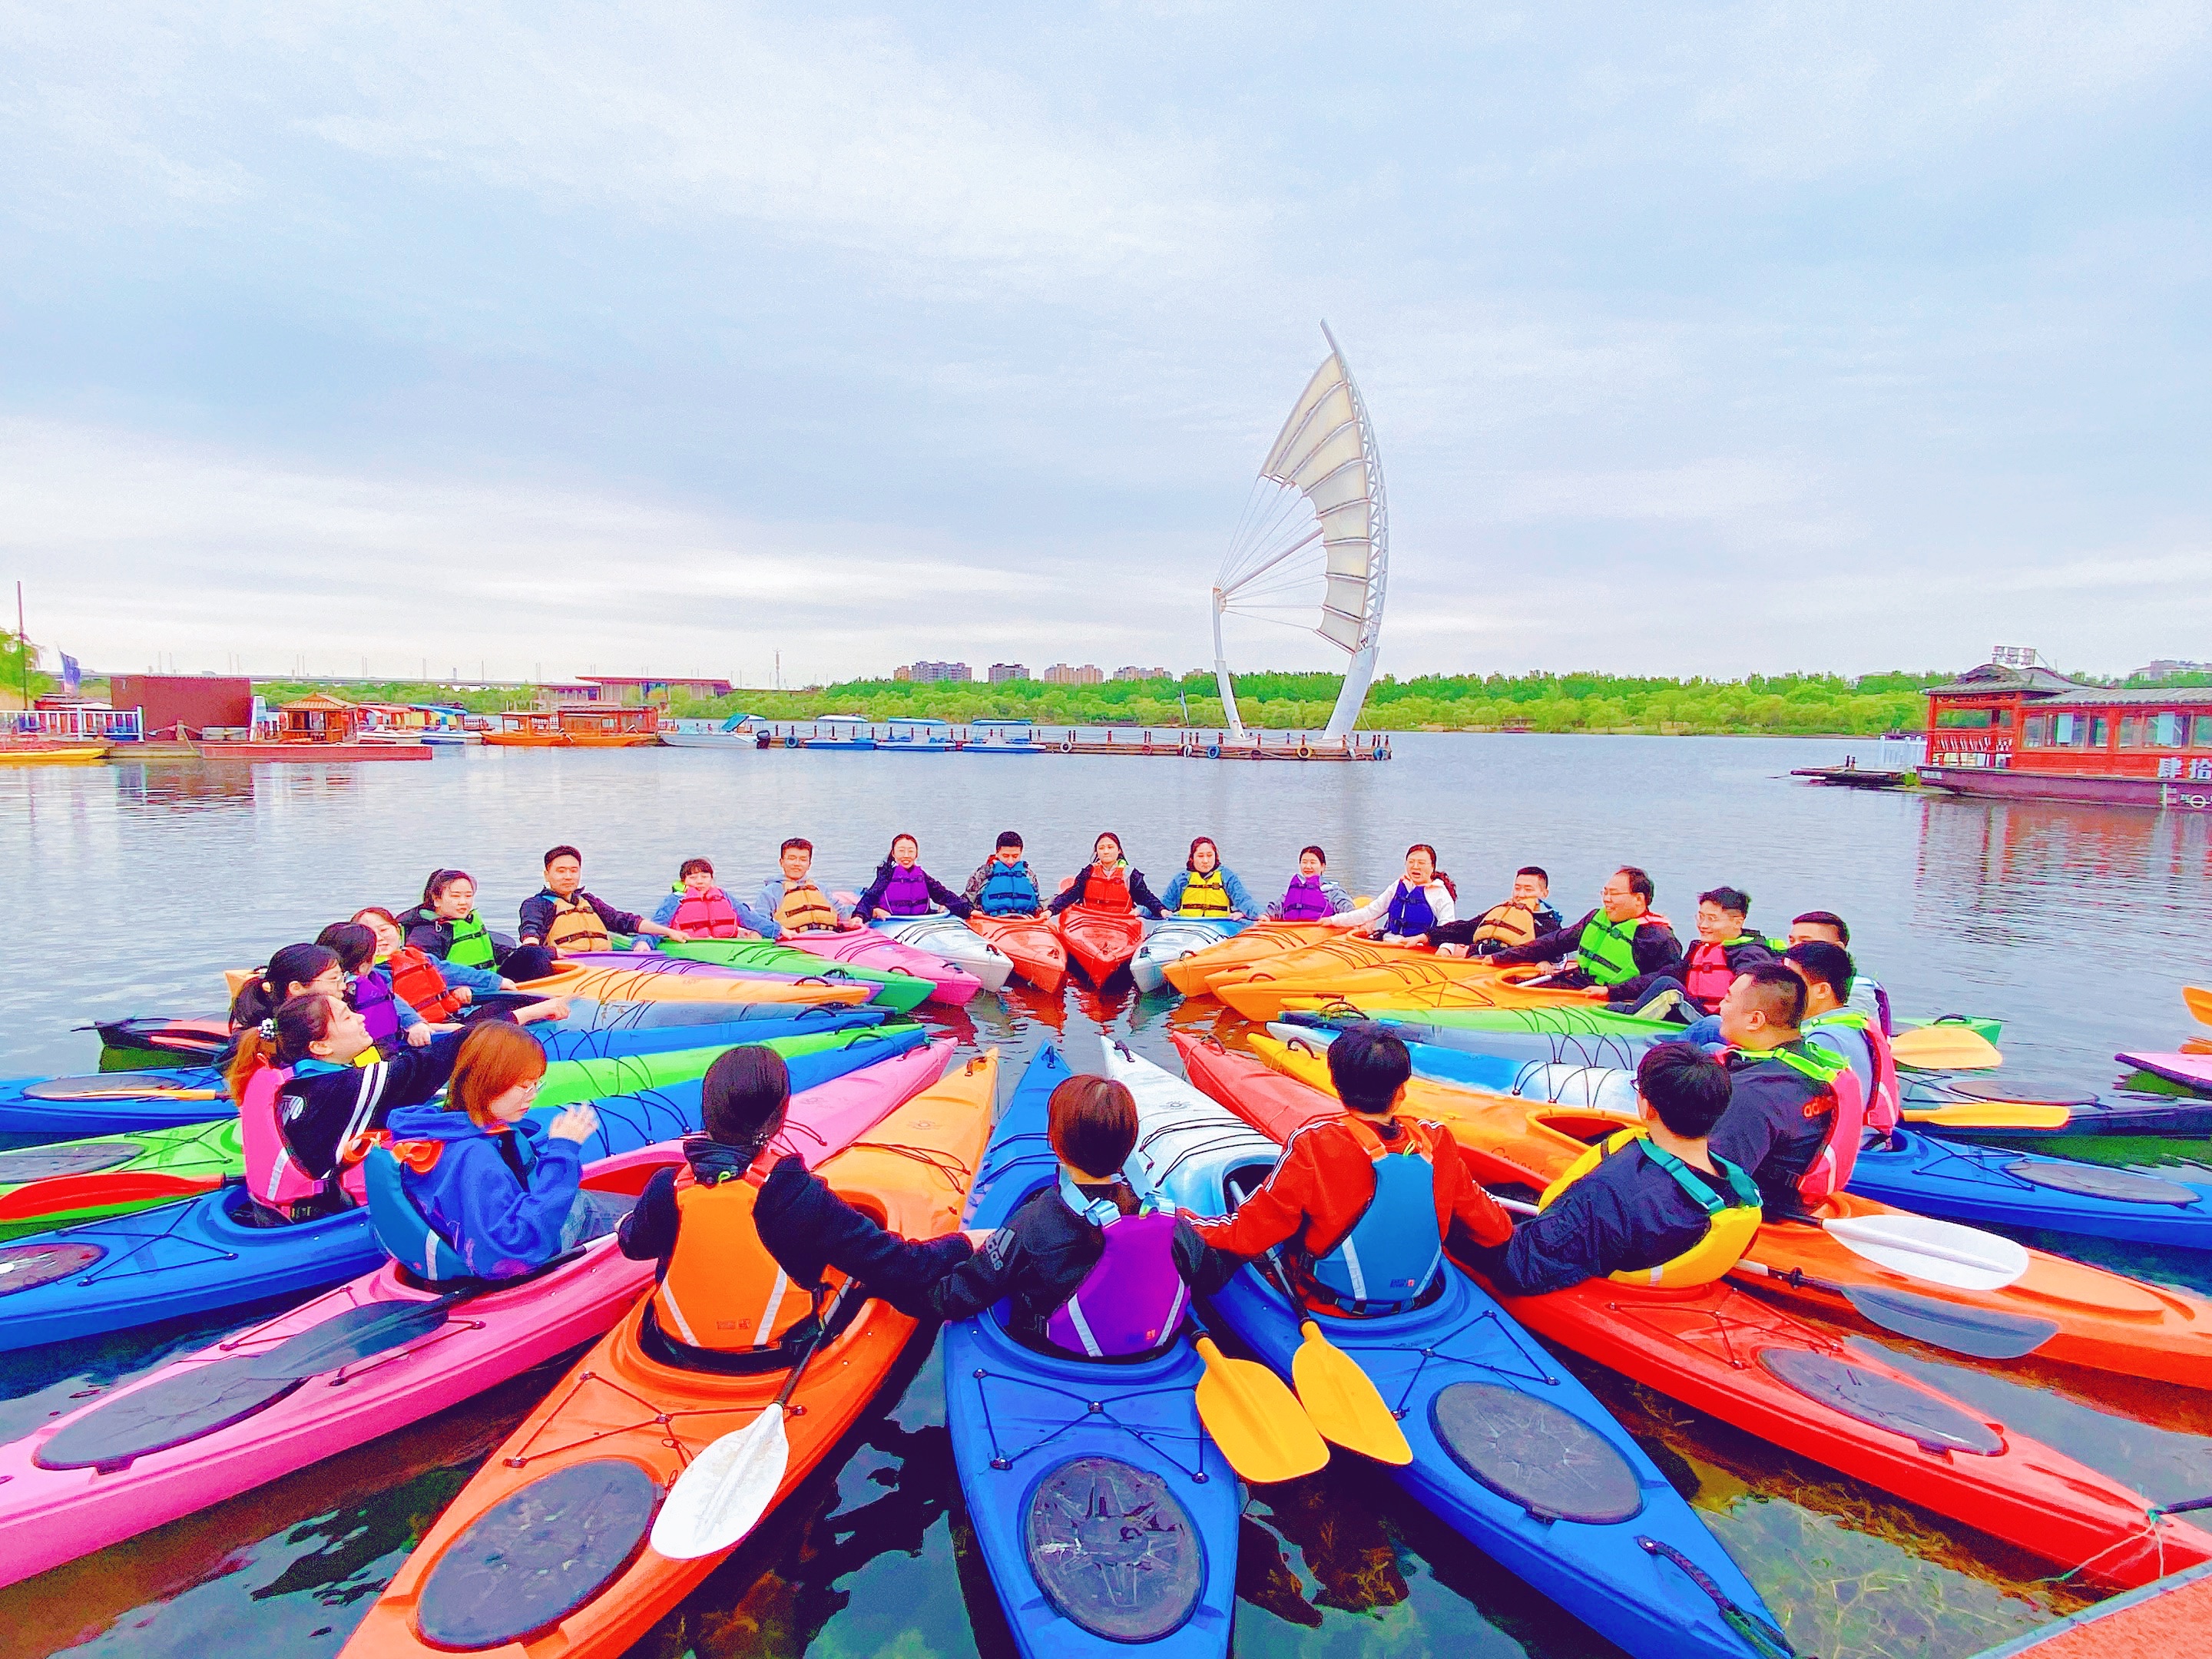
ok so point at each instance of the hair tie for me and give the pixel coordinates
(268, 1030)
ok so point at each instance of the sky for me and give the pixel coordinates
(1707, 339)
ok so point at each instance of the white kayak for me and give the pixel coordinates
(1174, 939)
(949, 937)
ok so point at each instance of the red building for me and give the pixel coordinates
(182, 706)
(2016, 729)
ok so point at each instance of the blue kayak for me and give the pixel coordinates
(121, 1103)
(202, 1256)
(2002, 1187)
(1509, 1448)
(1105, 1515)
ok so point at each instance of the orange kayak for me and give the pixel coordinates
(1032, 946)
(544, 1553)
(1397, 975)
(1262, 939)
(2105, 1322)
(1101, 942)
(630, 985)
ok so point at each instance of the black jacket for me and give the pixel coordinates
(1655, 949)
(1626, 1214)
(1776, 1123)
(319, 1111)
(1740, 955)
(865, 907)
(538, 914)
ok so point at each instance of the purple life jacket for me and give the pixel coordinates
(1303, 901)
(907, 894)
(372, 1001)
(1132, 1300)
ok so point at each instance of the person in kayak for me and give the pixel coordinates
(793, 903)
(418, 980)
(1420, 899)
(503, 1192)
(1826, 927)
(1107, 883)
(1202, 891)
(903, 888)
(1512, 922)
(1852, 1035)
(746, 1237)
(698, 909)
(1651, 1206)
(1311, 895)
(392, 1020)
(1611, 945)
(304, 1106)
(567, 920)
(1724, 949)
(445, 924)
(1367, 1202)
(1788, 1121)
(1090, 1270)
(297, 970)
(1003, 884)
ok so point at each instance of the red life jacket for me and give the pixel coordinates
(1706, 975)
(418, 981)
(713, 915)
(1109, 893)
(1831, 1172)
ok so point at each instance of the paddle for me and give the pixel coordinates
(1342, 1402)
(1254, 1418)
(724, 1490)
(1992, 1114)
(1945, 1048)
(2199, 1000)
(1940, 1252)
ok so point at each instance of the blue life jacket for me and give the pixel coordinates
(1393, 1251)
(1009, 891)
(1409, 911)
(403, 1230)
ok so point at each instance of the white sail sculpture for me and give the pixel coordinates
(1315, 538)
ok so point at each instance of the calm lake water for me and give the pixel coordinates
(134, 885)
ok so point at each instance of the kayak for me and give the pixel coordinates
(209, 1035)
(2089, 1317)
(251, 1408)
(1509, 1448)
(1099, 942)
(544, 1550)
(1032, 946)
(2162, 1620)
(61, 1184)
(2192, 1071)
(1407, 976)
(900, 993)
(567, 1081)
(899, 987)
(1193, 974)
(1794, 1382)
(864, 947)
(1104, 1514)
(1174, 939)
(635, 985)
(2006, 1188)
(947, 936)
(205, 1254)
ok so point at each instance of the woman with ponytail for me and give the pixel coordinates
(294, 972)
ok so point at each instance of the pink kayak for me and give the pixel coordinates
(865, 948)
(368, 1357)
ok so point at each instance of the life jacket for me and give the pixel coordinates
(1133, 1299)
(1885, 1108)
(1409, 911)
(417, 978)
(805, 908)
(1303, 900)
(472, 946)
(1502, 927)
(907, 892)
(713, 915)
(1830, 1171)
(399, 1225)
(1606, 950)
(723, 1291)
(1108, 892)
(1730, 1228)
(373, 1001)
(1204, 896)
(1009, 891)
(576, 927)
(272, 1176)
(1706, 974)
(1390, 1254)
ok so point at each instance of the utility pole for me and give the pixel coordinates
(23, 645)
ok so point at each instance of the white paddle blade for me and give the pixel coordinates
(726, 1489)
(1939, 1252)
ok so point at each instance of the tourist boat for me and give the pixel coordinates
(849, 732)
(1001, 738)
(2014, 729)
(39, 753)
(587, 726)
(916, 737)
(735, 732)
(320, 728)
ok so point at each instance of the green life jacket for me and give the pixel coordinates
(472, 946)
(1606, 950)
(1814, 1065)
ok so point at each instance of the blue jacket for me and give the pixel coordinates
(502, 1223)
(1239, 899)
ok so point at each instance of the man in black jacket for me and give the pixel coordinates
(1620, 939)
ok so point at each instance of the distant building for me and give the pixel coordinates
(1140, 673)
(934, 672)
(1003, 671)
(1061, 674)
(2166, 667)
(620, 689)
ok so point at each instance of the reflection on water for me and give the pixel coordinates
(136, 884)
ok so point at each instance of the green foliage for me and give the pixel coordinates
(482, 702)
(12, 665)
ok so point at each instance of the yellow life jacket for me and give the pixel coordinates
(723, 1291)
(805, 909)
(1506, 926)
(1730, 1228)
(1204, 896)
(576, 927)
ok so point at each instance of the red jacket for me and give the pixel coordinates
(1323, 1183)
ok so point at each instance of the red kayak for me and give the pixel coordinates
(1101, 942)
(1032, 946)
(1796, 1383)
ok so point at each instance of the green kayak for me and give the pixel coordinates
(569, 1080)
(72, 1180)
(902, 991)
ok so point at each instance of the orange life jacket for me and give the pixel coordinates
(805, 908)
(1108, 892)
(723, 1291)
(1506, 926)
(419, 984)
(576, 927)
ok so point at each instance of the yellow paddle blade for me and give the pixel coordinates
(1341, 1401)
(2199, 1000)
(1992, 1115)
(1256, 1421)
(1945, 1048)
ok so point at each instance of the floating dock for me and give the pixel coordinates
(1005, 738)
